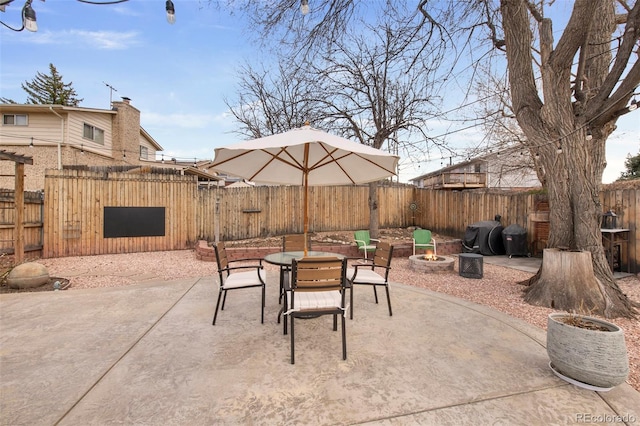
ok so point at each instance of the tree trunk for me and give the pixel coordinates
(566, 277)
(575, 212)
(374, 220)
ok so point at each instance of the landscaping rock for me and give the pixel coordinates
(28, 275)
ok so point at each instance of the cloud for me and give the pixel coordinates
(102, 40)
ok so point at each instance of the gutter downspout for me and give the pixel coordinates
(61, 137)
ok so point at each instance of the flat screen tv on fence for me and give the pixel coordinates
(134, 222)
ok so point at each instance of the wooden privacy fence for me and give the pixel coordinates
(82, 209)
(277, 210)
(79, 212)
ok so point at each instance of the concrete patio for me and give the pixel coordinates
(148, 355)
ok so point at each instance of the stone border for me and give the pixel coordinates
(417, 263)
(204, 250)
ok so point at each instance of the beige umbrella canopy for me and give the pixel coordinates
(305, 156)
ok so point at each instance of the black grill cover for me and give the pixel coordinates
(514, 238)
(484, 238)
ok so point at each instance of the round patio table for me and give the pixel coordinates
(285, 258)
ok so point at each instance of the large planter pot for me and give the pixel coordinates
(592, 357)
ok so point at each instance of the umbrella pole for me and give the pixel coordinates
(306, 197)
(306, 217)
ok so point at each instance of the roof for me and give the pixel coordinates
(153, 142)
(57, 108)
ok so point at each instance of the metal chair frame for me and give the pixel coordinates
(237, 280)
(369, 276)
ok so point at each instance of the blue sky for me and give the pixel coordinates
(176, 75)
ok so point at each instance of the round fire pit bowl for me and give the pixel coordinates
(441, 265)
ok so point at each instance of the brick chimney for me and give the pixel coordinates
(126, 132)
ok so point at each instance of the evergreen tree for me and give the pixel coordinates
(48, 90)
(633, 168)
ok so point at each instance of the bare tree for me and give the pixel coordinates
(274, 101)
(372, 88)
(376, 92)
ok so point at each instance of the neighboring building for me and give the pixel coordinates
(58, 136)
(508, 169)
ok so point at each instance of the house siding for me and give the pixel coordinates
(151, 150)
(40, 127)
(511, 169)
(55, 137)
(76, 131)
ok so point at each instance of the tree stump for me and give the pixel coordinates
(566, 281)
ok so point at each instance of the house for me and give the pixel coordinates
(59, 136)
(510, 169)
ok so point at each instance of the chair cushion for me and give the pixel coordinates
(316, 300)
(244, 279)
(365, 276)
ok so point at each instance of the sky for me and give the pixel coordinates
(178, 75)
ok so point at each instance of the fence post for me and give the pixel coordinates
(18, 236)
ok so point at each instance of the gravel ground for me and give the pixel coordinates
(498, 288)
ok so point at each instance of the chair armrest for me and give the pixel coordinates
(360, 242)
(232, 268)
(248, 259)
(368, 264)
(374, 239)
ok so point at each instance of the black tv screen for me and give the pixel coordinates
(134, 222)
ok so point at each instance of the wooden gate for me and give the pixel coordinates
(32, 222)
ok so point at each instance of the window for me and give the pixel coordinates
(15, 119)
(144, 153)
(476, 168)
(93, 133)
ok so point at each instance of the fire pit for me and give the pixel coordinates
(431, 263)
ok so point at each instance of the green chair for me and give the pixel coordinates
(363, 240)
(422, 239)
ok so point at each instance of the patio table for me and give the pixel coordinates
(285, 258)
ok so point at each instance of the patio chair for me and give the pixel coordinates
(317, 288)
(238, 277)
(373, 272)
(363, 240)
(291, 242)
(295, 242)
(422, 239)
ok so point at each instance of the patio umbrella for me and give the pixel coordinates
(305, 156)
